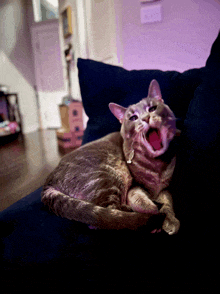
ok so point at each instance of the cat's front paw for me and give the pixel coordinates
(171, 225)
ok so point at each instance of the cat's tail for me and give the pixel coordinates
(97, 216)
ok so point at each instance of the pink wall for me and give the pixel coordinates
(181, 41)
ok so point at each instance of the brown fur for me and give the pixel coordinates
(99, 183)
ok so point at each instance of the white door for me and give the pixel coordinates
(101, 30)
(49, 71)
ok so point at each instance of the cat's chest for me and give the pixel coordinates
(154, 174)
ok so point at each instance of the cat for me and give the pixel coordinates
(120, 181)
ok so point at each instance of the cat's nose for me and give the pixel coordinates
(146, 118)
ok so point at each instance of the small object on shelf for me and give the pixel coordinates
(71, 133)
(67, 100)
(10, 118)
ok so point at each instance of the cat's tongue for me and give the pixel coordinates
(155, 140)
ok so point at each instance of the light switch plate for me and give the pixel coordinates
(151, 13)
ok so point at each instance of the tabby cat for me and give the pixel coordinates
(121, 180)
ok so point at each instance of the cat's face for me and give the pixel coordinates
(149, 123)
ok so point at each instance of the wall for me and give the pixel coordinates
(181, 41)
(16, 61)
(101, 30)
(78, 40)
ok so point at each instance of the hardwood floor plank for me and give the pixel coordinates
(25, 164)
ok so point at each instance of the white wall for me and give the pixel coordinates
(181, 41)
(94, 34)
(78, 40)
(16, 61)
(101, 30)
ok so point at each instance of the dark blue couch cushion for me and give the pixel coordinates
(48, 252)
(102, 83)
(41, 231)
(197, 172)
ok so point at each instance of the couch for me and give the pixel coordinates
(41, 251)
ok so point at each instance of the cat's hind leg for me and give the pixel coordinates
(138, 199)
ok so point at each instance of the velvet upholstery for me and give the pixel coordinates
(101, 84)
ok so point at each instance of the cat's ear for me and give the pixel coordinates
(154, 91)
(118, 111)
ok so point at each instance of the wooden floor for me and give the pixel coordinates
(25, 164)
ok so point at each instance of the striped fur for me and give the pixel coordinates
(90, 185)
(98, 216)
(99, 183)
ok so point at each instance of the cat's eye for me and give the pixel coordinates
(133, 117)
(152, 108)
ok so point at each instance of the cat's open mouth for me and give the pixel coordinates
(153, 136)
